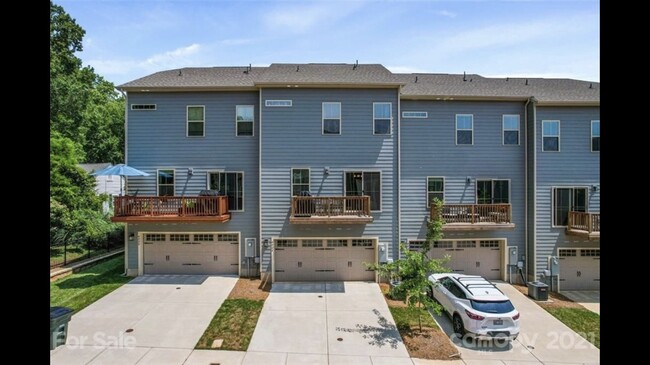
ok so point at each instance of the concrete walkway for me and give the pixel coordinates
(543, 340)
(589, 299)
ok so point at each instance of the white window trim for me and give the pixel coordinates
(243, 186)
(390, 126)
(237, 121)
(493, 179)
(291, 179)
(381, 188)
(340, 118)
(426, 188)
(143, 110)
(456, 129)
(187, 121)
(503, 129)
(591, 144)
(559, 132)
(158, 185)
(269, 103)
(405, 115)
(553, 188)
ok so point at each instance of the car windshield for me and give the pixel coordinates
(493, 307)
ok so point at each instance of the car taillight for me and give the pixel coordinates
(474, 316)
(515, 317)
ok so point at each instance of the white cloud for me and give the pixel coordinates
(406, 69)
(171, 59)
(299, 19)
(445, 13)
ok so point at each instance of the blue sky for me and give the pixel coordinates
(126, 40)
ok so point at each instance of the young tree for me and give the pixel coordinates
(434, 226)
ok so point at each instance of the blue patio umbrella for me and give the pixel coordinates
(120, 170)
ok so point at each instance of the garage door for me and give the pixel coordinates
(472, 257)
(191, 253)
(323, 259)
(579, 269)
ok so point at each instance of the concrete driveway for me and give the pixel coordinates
(166, 313)
(321, 323)
(543, 339)
(589, 299)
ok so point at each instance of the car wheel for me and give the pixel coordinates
(459, 327)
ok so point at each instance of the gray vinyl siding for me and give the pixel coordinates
(574, 165)
(531, 174)
(292, 138)
(429, 149)
(157, 140)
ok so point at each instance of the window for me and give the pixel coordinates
(179, 237)
(143, 106)
(331, 118)
(595, 136)
(568, 253)
(381, 115)
(362, 243)
(500, 307)
(443, 244)
(551, 135)
(279, 103)
(299, 181)
(415, 115)
(155, 237)
(456, 291)
(230, 184)
(435, 189)
(195, 121)
(228, 237)
(567, 200)
(337, 243)
(165, 182)
(359, 183)
(244, 119)
(511, 129)
(312, 243)
(465, 244)
(464, 129)
(492, 191)
(286, 243)
(203, 237)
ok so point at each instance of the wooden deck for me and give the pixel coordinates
(330, 210)
(129, 209)
(468, 217)
(584, 224)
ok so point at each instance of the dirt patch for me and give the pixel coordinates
(246, 288)
(556, 300)
(431, 343)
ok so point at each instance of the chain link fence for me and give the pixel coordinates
(63, 254)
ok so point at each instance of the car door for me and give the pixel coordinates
(443, 295)
(457, 296)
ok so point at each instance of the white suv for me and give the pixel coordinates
(476, 306)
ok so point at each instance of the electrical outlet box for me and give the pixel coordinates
(382, 252)
(554, 265)
(512, 255)
(249, 247)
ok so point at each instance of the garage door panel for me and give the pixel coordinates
(579, 270)
(471, 258)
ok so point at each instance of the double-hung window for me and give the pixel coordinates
(195, 121)
(230, 184)
(331, 118)
(567, 200)
(551, 135)
(435, 189)
(245, 119)
(381, 116)
(464, 129)
(359, 183)
(511, 129)
(299, 181)
(165, 182)
(595, 136)
(492, 191)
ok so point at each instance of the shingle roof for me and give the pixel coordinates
(199, 77)
(476, 86)
(428, 85)
(91, 167)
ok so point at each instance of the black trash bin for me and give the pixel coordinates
(59, 318)
(305, 207)
(537, 290)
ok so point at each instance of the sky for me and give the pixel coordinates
(129, 39)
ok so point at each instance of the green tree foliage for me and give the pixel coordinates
(434, 226)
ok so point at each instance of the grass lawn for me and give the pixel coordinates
(235, 323)
(81, 289)
(407, 319)
(585, 322)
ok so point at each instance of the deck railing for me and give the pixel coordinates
(582, 221)
(182, 206)
(475, 213)
(329, 206)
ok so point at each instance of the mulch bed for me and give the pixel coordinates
(556, 300)
(246, 288)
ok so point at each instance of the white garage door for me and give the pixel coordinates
(471, 257)
(579, 269)
(191, 253)
(323, 259)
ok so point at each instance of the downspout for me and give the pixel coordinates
(399, 172)
(526, 185)
(126, 141)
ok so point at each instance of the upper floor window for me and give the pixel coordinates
(567, 200)
(195, 121)
(492, 191)
(230, 184)
(381, 116)
(299, 181)
(414, 115)
(551, 135)
(331, 118)
(244, 119)
(464, 129)
(359, 183)
(166, 182)
(595, 136)
(278, 103)
(511, 129)
(435, 189)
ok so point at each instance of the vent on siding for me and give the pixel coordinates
(279, 103)
(143, 106)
